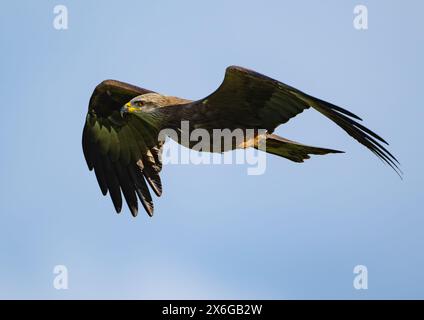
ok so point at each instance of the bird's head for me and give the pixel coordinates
(144, 103)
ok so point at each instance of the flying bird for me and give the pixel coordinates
(120, 136)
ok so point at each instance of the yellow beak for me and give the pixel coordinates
(128, 108)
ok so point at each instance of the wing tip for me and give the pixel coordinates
(149, 208)
(134, 211)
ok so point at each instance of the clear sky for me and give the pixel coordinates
(295, 232)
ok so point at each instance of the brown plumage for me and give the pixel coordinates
(120, 136)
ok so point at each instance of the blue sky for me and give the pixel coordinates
(295, 232)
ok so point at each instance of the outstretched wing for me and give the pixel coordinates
(124, 152)
(247, 99)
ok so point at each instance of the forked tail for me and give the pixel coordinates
(292, 150)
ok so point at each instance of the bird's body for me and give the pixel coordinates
(121, 138)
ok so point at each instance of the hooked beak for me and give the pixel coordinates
(127, 108)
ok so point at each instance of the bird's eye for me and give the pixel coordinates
(137, 103)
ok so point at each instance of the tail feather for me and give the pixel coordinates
(292, 150)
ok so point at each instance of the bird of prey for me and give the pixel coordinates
(120, 136)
